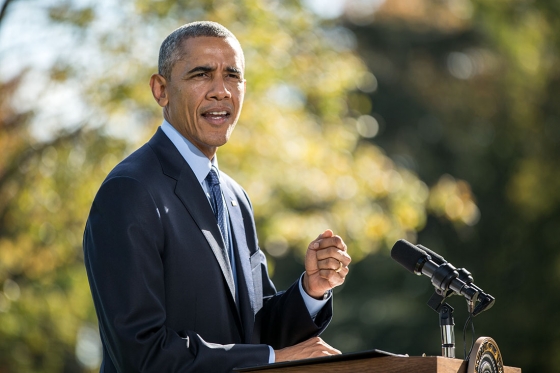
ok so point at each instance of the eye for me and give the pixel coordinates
(234, 76)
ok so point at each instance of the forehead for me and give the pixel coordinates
(212, 51)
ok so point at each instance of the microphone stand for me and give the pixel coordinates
(446, 323)
(477, 302)
(447, 281)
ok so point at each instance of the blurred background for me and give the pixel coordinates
(436, 121)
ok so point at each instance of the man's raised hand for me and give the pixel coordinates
(326, 264)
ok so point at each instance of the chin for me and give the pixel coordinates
(218, 141)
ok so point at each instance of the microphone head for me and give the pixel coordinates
(486, 302)
(409, 256)
(438, 259)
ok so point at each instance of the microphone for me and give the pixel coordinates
(445, 277)
(486, 300)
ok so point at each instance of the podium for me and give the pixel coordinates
(370, 361)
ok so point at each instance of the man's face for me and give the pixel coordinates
(205, 92)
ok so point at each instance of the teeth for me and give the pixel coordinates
(217, 113)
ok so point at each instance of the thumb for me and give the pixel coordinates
(326, 234)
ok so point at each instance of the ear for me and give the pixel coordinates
(159, 89)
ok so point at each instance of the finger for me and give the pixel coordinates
(313, 347)
(325, 352)
(333, 278)
(335, 275)
(343, 272)
(335, 253)
(321, 353)
(325, 234)
(314, 244)
(325, 347)
(330, 263)
(331, 350)
(334, 241)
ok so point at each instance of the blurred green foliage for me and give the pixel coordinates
(469, 89)
(441, 127)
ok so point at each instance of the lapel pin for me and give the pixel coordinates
(233, 203)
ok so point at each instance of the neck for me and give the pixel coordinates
(208, 151)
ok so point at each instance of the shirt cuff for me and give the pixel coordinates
(313, 305)
(272, 356)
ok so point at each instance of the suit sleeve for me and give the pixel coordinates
(123, 244)
(285, 321)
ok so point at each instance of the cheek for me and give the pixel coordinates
(189, 106)
(240, 95)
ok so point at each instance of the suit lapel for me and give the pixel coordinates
(189, 191)
(244, 266)
(191, 194)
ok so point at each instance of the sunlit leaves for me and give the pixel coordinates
(67, 13)
(44, 296)
(454, 200)
(302, 150)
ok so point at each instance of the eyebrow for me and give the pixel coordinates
(231, 69)
(207, 69)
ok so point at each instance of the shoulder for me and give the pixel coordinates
(137, 165)
(156, 157)
(135, 177)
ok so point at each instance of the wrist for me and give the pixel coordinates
(319, 295)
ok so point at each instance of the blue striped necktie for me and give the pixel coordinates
(217, 202)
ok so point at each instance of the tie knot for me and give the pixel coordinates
(212, 177)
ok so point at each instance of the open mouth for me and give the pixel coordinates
(216, 116)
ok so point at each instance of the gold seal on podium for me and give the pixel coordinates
(485, 357)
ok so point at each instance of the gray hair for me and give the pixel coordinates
(170, 52)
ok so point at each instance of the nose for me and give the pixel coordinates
(218, 89)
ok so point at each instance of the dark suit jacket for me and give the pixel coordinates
(161, 284)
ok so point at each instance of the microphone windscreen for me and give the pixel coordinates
(438, 259)
(407, 255)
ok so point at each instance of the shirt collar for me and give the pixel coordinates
(199, 163)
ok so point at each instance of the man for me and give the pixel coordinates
(178, 280)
